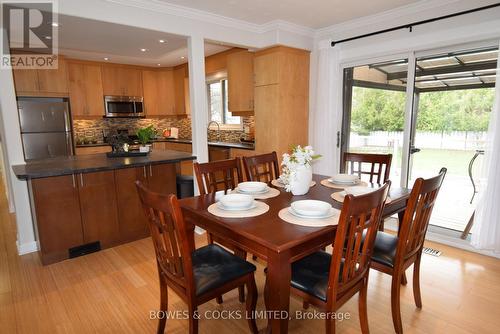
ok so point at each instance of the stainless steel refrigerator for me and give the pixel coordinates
(45, 127)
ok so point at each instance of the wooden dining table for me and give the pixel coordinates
(277, 242)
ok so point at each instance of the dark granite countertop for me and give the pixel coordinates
(245, 146)
(94, 163)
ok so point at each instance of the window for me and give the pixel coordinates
(217, 105)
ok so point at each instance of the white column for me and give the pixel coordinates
(198, 98)
(13, 155)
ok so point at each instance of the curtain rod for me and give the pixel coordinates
(411, 25)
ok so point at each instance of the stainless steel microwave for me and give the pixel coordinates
(124, 106)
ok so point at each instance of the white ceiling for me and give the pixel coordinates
(94, 40)
(310, 13)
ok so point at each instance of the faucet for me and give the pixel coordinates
(218, 129)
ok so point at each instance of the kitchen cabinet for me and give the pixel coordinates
(92, 149)
(98, 208)
(121, 80)
(159, 95)
(161, 178)
(184, 167)
(46, 82)
(181, 88)
(85, 90)
(218, 153)
(240, 79)
(57, 208)
(133, 221)
(281, 99)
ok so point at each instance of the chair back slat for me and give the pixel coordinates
(376, 166)
(169, 234)
(354, 239)
(218, 175)
(417, 215)
(262, 168)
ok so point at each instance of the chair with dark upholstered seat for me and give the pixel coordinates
(393, 254)
(262, 167)
(328, 281)
(196, 275)
(223, 175)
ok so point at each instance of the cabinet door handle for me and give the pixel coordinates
(144, 170)
(81, 179)
(74, 181)
(150, 170)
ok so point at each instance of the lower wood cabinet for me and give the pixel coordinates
(98, 207)
(57, 208)
(75, 210)
(133, 222)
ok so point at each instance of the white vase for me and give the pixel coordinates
(303, 177)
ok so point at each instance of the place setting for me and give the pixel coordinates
(339, 196)
(311, 213)
(259, 190)
(342, 181)
(236, 205)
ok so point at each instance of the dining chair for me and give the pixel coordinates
(393, 254)
(328, 281)
(379, 165)
(195, 275)
(262, 167)
(222, 175)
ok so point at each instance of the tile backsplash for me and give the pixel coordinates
(94, 129)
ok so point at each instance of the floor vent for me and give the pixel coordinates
(84, 249)
(432, 251)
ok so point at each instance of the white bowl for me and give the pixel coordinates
(252, 187)
(358, 190)
(345, 178)
(236, 201)
(311, 208)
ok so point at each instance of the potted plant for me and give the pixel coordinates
(297, 170)
(146, 136)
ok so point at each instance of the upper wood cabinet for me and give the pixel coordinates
(267, 68)
(47, 82)
(121, 81)
(181, 87)
(85, 90)
(159, 93)
(240, 79)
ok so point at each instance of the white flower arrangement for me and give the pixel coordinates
(300, 156)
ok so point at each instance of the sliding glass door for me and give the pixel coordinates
(429, 111)
(374, 111)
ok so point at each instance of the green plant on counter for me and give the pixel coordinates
(146, 135)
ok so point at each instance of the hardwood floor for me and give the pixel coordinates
(113, 291)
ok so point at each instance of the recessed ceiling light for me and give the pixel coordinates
(158, 64)
(144, 50)
(162, 41)
(183, 57)
(106, 58)
(48, 37)
(55, 24)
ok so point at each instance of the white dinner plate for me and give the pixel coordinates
(330, 213)
(311, 208)
(241, 191)
(222, 207)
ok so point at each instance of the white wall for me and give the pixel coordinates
(11, 141)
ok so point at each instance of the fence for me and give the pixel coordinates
(455, 140)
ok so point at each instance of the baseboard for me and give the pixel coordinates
(29, 247)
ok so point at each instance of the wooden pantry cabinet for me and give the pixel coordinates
(181, 89)
(281, 99)
(85, 90)
(159, 97)
(240, 79)
(121, 80)
(43, 82)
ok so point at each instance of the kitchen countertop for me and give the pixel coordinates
(245, 146)
(94, 163)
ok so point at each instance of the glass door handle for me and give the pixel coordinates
(414, 150)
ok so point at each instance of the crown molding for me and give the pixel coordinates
(287, 26)
(382, 17)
